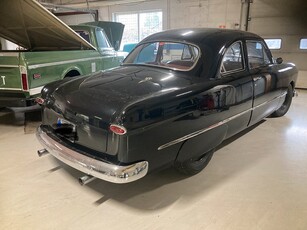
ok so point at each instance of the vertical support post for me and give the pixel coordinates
(245, 11)
(96, 15)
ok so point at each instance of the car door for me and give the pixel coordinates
(219, 112)
(236, 89)
(265, 93)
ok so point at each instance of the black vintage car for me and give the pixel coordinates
(174, 99)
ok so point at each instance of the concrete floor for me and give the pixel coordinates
(257, 180)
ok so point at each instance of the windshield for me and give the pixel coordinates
(179, 56)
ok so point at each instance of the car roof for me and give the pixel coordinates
(199, 36)
(212, 43)
(83, 27)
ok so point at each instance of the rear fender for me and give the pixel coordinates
(197, 146)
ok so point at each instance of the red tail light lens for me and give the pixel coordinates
(117, 129)
(39, 100)
(24, 81)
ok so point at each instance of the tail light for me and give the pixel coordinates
(117, 129)
(39, 100)
(24, 78)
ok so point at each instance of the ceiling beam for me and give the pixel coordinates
(96, 4)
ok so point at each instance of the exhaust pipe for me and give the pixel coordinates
(42, 152)
(86, 179)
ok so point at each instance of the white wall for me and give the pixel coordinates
(176, 13)
(77, 19)
(205, 13)
(7, 45)
(286, 20)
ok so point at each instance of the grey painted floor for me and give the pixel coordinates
(257, 180)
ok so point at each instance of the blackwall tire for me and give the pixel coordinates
(286, 105)
(193, 166)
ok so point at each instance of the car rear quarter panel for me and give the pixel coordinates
(161, 128)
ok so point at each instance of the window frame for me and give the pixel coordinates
(88, 32)
(226, 73)
(265, 49)
(165, 67)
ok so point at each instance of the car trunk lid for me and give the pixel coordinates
(108, 92)
(92, 103)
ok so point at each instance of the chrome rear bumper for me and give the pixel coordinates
(99, 169)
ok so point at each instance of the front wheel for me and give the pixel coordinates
(286, 105)
(194, 165)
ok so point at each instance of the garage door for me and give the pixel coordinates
(284, 21)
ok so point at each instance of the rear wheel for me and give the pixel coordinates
(286, 105)
(72, 73)
(194, 165)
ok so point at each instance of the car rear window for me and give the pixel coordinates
(172, 55)
(84, 34)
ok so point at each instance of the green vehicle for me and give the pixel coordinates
(50, 50)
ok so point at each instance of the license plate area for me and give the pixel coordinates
(65, 129)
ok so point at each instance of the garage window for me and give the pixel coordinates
(303, 44)
(273, 43)
(139, 25)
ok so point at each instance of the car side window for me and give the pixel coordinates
(233, 59)
(257, 54)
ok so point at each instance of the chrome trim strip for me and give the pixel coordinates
(9, 54)
(189, 136)
(90, 166)
(264, 103)
(17, 89)
(194, 134)
(62, 62)
(9, 66)
(36, 90)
